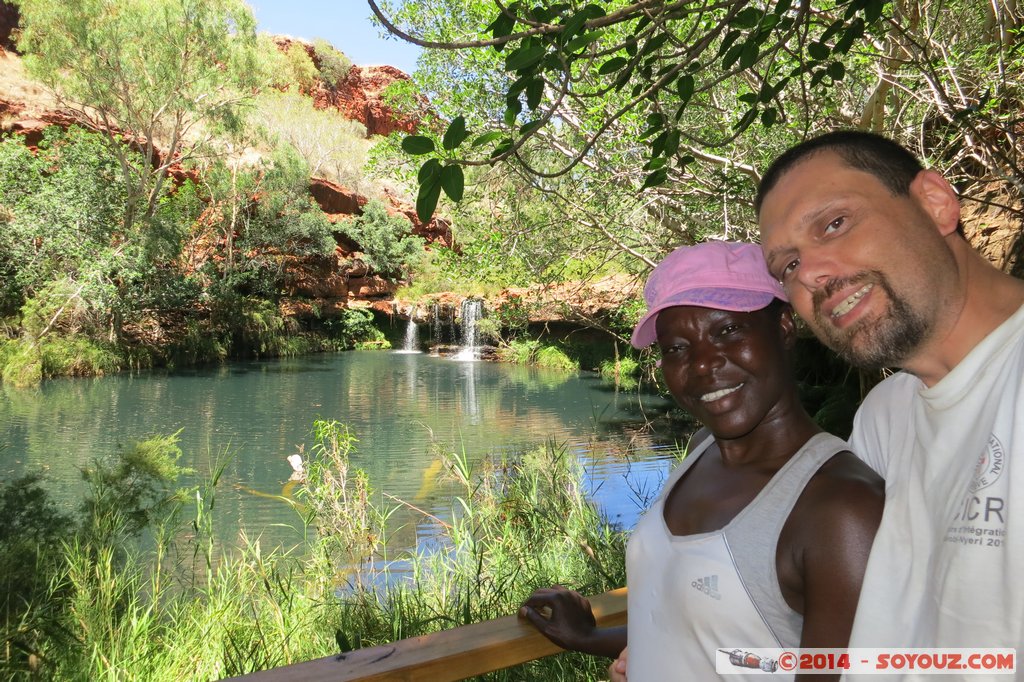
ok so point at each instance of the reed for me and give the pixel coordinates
(179, 605)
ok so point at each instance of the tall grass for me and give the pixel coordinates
(534, 352)
(181, 607)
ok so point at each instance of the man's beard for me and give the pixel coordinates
(875, 343)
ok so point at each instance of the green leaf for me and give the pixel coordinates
(612, 65)
(816, 78)
(456, 133)
(502, 147)
(836, 71)
(580, 42)
(873, 10)
(417, 144)
(732, 55)
(487, 137)
(769, 116)
(833, 28)
(818, 50)
(534, 92)
(747, 119)
(426, 199)
(524, 57)
(727, 41)
(656, 178)
(530, 128)
(655, 164)
(512, 111)
(746, 18)
(748, 56)
(782, 7)
(852, 33)
(654, 43)
(747, 98)
(430, 170)
(684, 87)
(658, 145)
(453, 182)
(672, 143)
(576, 23)
(501, 27)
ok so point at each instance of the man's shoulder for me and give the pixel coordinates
(883, 412)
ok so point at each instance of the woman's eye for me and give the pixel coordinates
(729, 329)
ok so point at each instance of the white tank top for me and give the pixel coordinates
(693, 595)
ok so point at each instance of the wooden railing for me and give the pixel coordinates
(443, 656)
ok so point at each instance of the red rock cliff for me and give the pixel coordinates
(360, 96)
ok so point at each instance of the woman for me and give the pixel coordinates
(760, 537)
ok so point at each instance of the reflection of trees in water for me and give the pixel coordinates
(397, 406)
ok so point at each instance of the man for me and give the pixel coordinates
(868, 247)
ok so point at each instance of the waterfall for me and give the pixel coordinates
(412, 335)
(472, 311)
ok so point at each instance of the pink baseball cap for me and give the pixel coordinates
(723, 275)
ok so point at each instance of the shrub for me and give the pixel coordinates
(353, 327)
(385, 240)
(519, 351)
(301, 68)
(553, 357)
(618, 369)
(334, 65)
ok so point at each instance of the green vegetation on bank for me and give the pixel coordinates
(83, 599)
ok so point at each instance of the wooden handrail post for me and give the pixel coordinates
(444, 656)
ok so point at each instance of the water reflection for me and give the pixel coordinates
(398, 406)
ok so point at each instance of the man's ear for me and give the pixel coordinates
(938, 199)
(788, 327)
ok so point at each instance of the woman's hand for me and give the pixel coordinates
(563, 616)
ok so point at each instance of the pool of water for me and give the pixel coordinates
(400, 407)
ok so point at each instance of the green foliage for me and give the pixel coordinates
(31, 530)
(301, 70)
(66, 202)
(513, 315)
(157, 68)
(553, 357)
(131, 492)
(637, 127)
(519, 351)
(622, 371)
(384, 239)
(355, 328)
(623, 317)
(533, 352)
(334, 65)
(91, 603)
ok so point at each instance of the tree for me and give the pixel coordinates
(649, 121)
(160, 74)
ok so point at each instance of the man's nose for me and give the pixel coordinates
(816, 269)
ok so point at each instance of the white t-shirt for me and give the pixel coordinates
(947, 566)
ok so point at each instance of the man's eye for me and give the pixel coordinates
(834, 225)
(789, 268)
